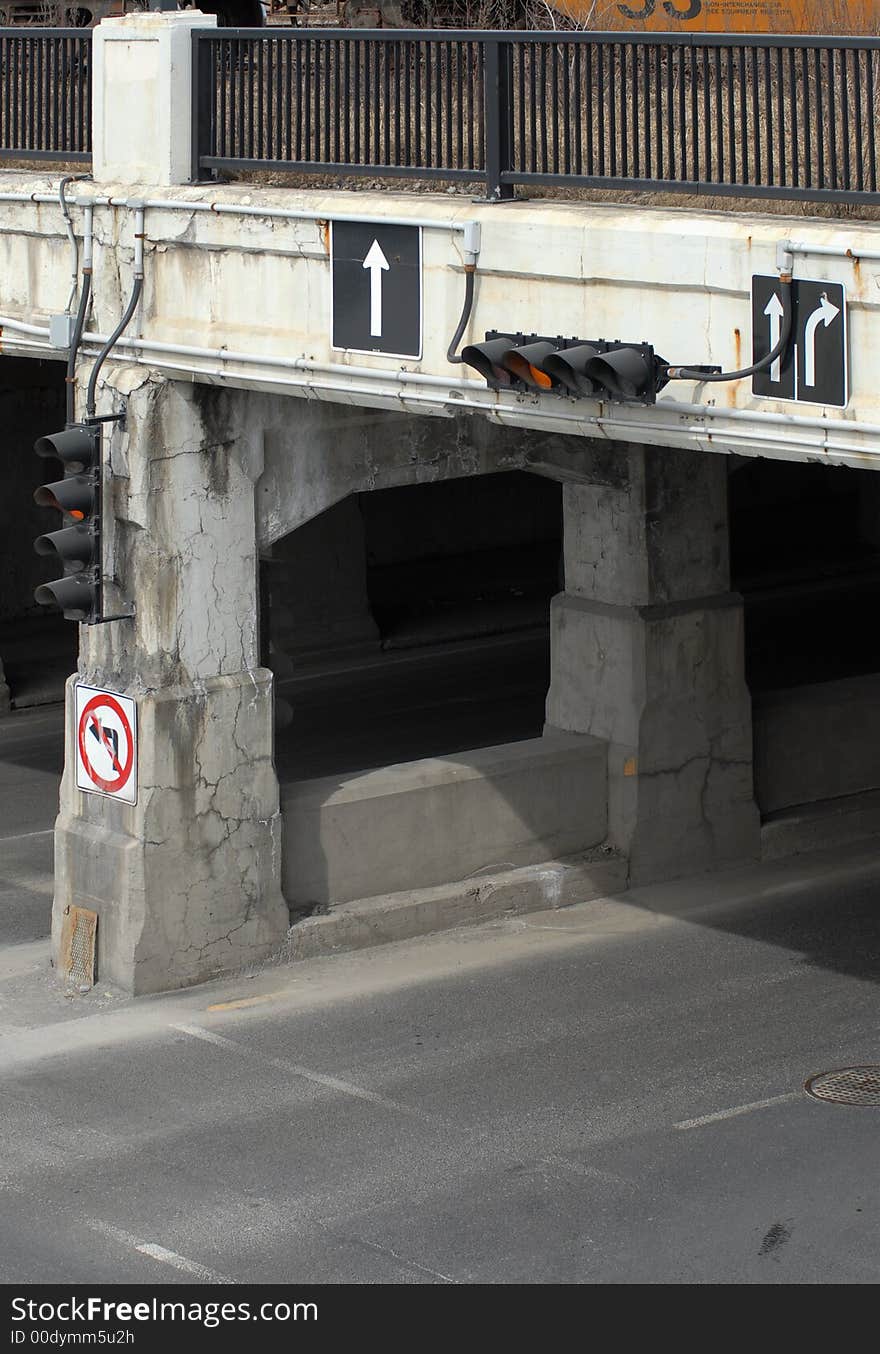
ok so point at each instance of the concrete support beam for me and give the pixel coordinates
(186, 881)
(647, 652)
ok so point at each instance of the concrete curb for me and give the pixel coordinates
(816, 827)
(403, 916)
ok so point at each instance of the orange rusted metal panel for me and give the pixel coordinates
(827, 17)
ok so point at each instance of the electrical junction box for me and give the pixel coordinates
(60, 331)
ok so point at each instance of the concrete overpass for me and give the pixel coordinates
(247, 427)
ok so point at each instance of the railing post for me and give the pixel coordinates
(202, 103)
(142, 97)
(498, 116)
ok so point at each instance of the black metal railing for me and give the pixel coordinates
(756, 116)
(45, 94)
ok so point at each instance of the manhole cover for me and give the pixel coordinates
(847, 1086)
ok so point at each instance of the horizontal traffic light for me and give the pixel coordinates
(596, 369)
(77, 546)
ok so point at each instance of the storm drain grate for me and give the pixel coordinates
(78, 947)
(847, 1086)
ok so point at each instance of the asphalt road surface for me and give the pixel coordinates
(612, 1093)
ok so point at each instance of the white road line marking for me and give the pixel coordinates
(20, 836)
(401, 1259)
(319, 1078)
(160, 1253)
(739, 1109)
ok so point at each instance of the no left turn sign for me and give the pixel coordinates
(106, 744)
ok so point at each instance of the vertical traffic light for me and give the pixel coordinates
(77, 546)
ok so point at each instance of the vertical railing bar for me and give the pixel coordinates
(327, 104)
(342, 143)
(271, 110)
(579, 97)
(429, 104)
(261, 127)
(39, 123)
(844, 124)
(648, 56)
(43, 103)
(660, 57)
(768, 118)
(377, 102)
(756, 121)
(543, 141)
(720, 173)
(407, 102)
(6, 93)
(16, 92)
(238, 89)
(554, 75)
(871, 96)
(567, 119)
(438, 107)
(857, 111)
(695, 115)
(612, 106)
(781, 121)
(533, 111)
(472, 65)
(624, 119)
(394, 66)
(682, 112)
(72, 100)
(219, 56)
(417, 104)
(337, 104)
(807, 118)
(709, 104)
(832, 120)
(28, 107)
(521, 160)
(450, 110)
(600, 106)
(731, 116)
(794, 120)
(251, 70)
(460, 58)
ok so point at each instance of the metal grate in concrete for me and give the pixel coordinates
(847, 1086)
(78, 948)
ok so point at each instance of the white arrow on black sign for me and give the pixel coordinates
(774, 309)
(824, 313)
(376, 288)
(377, 264)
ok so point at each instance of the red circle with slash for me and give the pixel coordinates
(89, 719)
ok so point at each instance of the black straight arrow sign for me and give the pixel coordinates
(376, 286)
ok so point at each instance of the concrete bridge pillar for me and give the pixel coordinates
(186, 881)
(647, 652)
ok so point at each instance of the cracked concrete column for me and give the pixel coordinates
(647, 652)
(186, 881)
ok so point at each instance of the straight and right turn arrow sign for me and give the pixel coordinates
(815, 369)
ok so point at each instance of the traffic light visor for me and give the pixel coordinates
(75, 596)
(75, 495)
(625, 372)
(486, 358)
(76, 447)
(74, 546)
(527, 364)
(569, 367)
